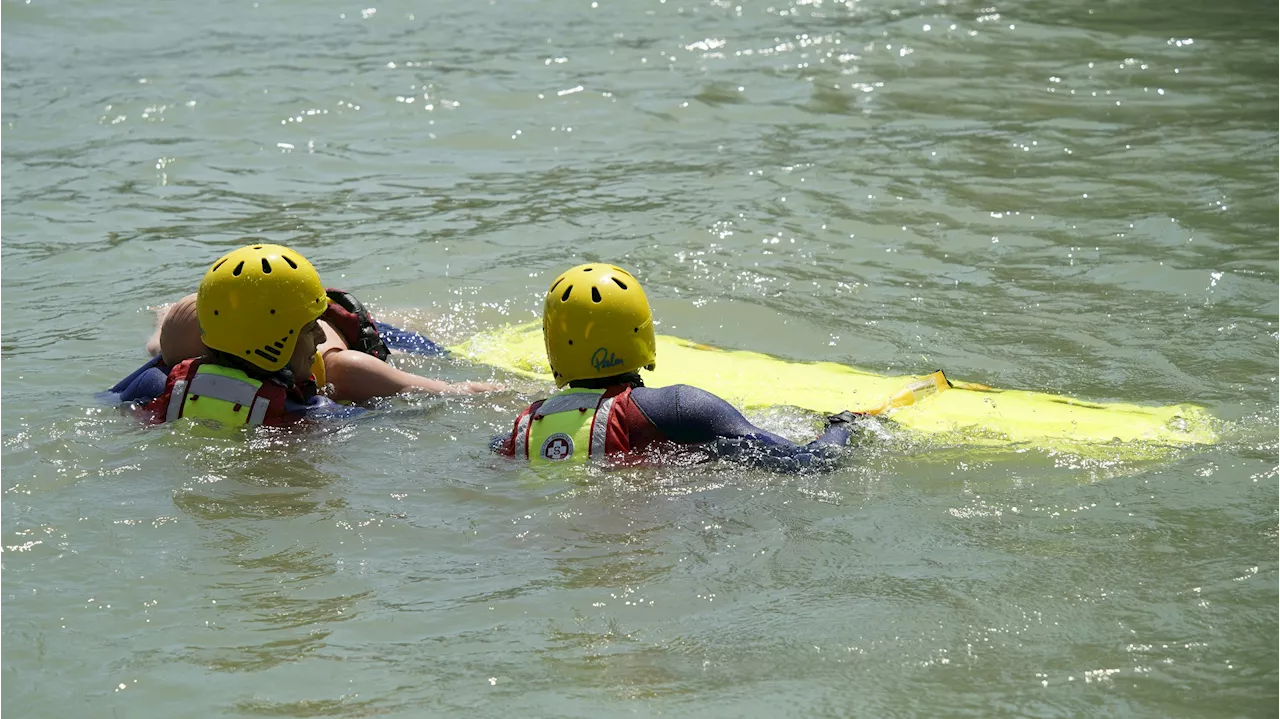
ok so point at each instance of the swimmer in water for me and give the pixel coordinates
(598, 331)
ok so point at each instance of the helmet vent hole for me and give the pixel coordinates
(266, 266)
(618, 282)
(236, 271)
(220, 263)
(595, 295)
(292, 264)
(565, 296)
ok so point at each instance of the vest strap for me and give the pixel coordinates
(600, 429)
(259, 412)
(176, 398)
(522, 436)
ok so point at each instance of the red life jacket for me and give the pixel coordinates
(347, 315)
(627, 431)
(266, 405)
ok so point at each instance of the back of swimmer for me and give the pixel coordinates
(598, 330)
(258, 308)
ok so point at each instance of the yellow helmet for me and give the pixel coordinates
(596, 323)
(254, 301)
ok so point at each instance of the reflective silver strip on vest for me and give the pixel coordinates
(522, 436)
(567, 402)
(226, 389)
(259, 411)
(175, 400)
(600, 429)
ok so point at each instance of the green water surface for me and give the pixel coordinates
(1074, 196)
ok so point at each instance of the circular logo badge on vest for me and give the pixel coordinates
(557, 447)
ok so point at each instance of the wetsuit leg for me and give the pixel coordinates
(143, 385)
(408, 341)
(688, 415)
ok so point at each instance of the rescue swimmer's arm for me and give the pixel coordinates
(688, 415)
(358, 377)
